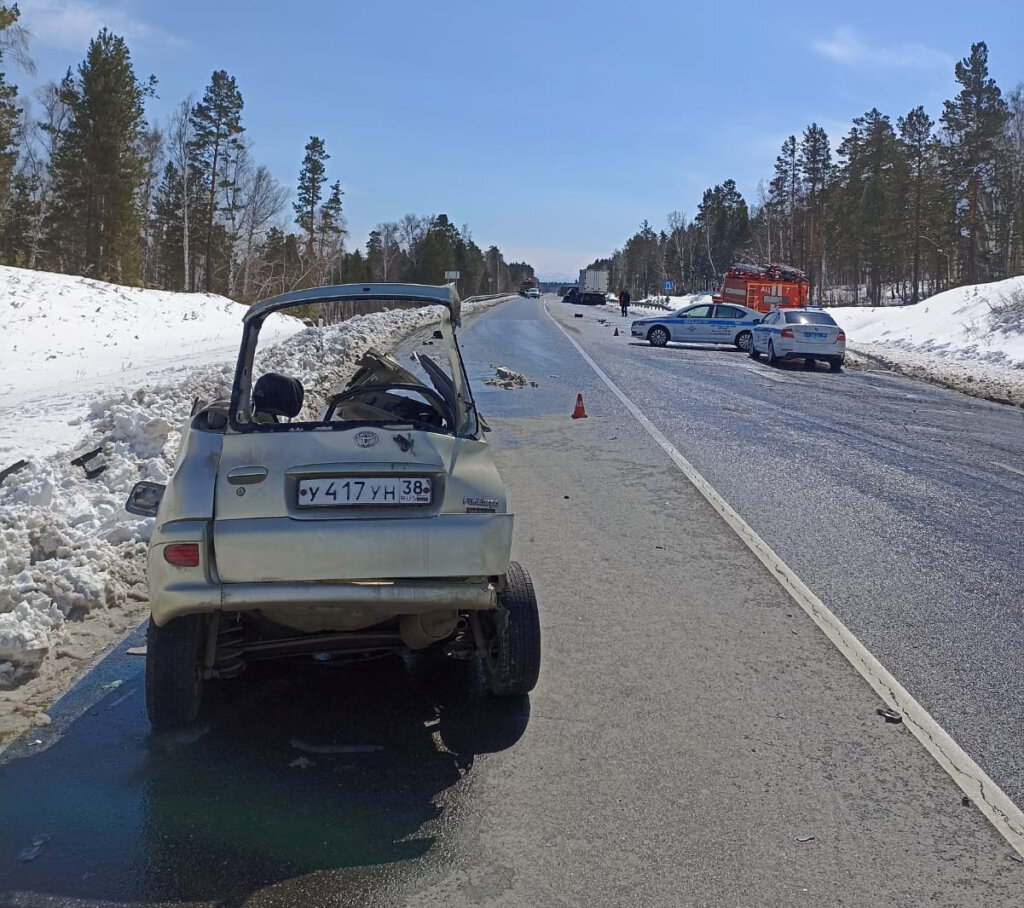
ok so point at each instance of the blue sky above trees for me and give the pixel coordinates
(552, 128)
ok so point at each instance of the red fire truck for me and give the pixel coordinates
(764, 287)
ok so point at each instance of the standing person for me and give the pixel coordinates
(624, 302)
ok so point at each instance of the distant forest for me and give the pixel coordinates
(88, 186)
(907, 210)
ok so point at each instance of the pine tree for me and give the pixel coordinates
(9, 110)
(916, 134)
(973, 120)
(785, 190)
(815, 162)
(217, 127)
(98, 169)
(310, 191)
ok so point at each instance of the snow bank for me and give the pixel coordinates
(979, 323)
(970, 339)
(64, 339)
(67, 546)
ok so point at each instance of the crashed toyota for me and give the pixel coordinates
(350, 521)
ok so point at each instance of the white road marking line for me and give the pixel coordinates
(990, 799)
(1006, 466)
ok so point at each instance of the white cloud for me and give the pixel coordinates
(72, 24)
(845, 46)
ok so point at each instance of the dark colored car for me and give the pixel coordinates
(588, 298)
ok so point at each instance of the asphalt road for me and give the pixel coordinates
(693, 740)
(899, 503)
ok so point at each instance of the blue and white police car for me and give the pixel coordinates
(807, 334)
(701, 323)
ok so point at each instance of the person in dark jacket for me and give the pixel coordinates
(624, 302)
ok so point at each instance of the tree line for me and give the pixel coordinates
(905, 209)
(89, 186)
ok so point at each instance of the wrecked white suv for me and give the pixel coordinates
(371, 522)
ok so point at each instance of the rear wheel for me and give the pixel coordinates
(745, 341)
(657, 337)
(835, 365)
(174, 671)
(512, 661)
(773, 360)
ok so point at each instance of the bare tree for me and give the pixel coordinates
(413, 228)
(265, 199)
(387, 248)
(152, 155)
(179, 141)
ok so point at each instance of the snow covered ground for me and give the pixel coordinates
(970, 339)
(89, 365)
(65, 339)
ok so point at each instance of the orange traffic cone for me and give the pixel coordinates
(616, 334)
(579, 412)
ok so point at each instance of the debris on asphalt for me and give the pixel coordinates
(301, 763)
(508, 378)
(136, 650)
(890, 715)
(804, 839)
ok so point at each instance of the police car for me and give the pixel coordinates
(702, 323)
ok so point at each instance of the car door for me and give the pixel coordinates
(693, 325)
(762, 330)
(725, 324)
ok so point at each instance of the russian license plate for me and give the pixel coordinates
(365, 490)
(815, 334)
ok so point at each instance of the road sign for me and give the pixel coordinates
(452, 275)
(668, 285)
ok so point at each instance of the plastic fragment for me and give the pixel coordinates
(890, 715)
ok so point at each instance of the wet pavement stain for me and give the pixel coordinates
(220, 813)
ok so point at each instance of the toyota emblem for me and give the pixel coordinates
(367, 439)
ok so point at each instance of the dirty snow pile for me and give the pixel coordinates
(508, 378)
(970, 338)
(68, 548)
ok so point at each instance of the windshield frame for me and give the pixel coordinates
(240, 417)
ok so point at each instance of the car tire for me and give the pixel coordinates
(809, 362)
(773, 360)
(174, 671)
(657, 337)
(513, 663)
(745, 341)
(753, 353)
(836, 365)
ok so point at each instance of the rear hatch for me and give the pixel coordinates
(328, 505)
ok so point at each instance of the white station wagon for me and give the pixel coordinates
(350, 521)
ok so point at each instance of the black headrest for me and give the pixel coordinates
(277, 395)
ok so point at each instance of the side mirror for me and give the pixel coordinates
(144, 498)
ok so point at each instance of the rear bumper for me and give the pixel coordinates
(348, 604)
(803, 353)
(391, 568)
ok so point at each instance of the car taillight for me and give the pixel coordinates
(786, 332)
(841, 336)
(184, 554)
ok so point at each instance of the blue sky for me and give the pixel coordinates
(552, 128)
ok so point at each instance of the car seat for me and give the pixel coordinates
(276, 395)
